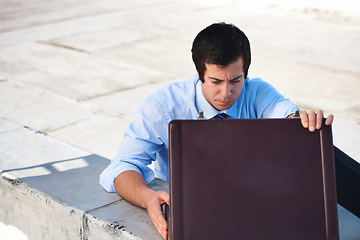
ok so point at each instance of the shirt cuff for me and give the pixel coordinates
(108, 176)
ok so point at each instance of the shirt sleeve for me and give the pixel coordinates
(271, 104)
(142, 141)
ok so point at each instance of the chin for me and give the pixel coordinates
(223, 108)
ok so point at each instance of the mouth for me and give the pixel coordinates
(224, 102)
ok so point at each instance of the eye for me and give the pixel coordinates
(235, 81)
(216, 81)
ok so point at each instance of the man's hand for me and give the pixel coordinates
(312, 120)
(153, 206)
(131, 186)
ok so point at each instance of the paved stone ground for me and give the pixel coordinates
(77, 71)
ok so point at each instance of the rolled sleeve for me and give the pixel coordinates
(108, 176)
(142, 141)
(129, 157)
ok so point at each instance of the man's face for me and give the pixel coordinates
(223, 85)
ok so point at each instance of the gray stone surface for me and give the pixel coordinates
(72, 75)
(349, 224)
(55, 185)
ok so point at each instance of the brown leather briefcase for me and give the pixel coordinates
(251, 179)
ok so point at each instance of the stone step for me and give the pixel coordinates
(50, 190)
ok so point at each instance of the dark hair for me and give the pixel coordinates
(220, 44)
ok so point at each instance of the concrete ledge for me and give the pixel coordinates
(50, 190)
(40, 216)
(37, 214)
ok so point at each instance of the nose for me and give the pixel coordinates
(226, 90)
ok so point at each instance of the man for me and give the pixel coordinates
(221, 53)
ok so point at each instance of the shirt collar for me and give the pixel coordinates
(209, 111)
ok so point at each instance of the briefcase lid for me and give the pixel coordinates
(251, 179)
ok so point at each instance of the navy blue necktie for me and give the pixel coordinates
(222, 116)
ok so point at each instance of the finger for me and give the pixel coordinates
(161, 226)
(319, 119)
(329, 120)
(304, 119)
(165, 198)
(311, 116)
(157, 218)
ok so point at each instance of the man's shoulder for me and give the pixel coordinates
(254, 84)
(175, 93)
(253, 81)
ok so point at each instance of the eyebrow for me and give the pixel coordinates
(217, 79)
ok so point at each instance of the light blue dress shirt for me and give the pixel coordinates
(146, 139)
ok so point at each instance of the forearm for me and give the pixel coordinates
(131, 186)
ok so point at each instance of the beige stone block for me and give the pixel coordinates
(100, 135)
(346, 132)
(38, 110)
(310, 86)
(41, 11)
(71, 74)
(100, 40)
(41, 21)
(126, 102)
(171, 56)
